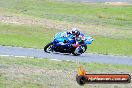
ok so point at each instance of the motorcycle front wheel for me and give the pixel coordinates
(48, 48)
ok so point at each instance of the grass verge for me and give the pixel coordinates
(25, 36)
(44, 73)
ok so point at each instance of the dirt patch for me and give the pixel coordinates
(62, 25)
(28, 21)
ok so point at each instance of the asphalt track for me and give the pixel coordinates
(39, 53)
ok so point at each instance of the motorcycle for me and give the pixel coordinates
(64, 44)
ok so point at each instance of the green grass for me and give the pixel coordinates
(104, 45)
(94, 14)
(44, 73)
(25, 36)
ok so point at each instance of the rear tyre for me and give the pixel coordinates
(84, 48)
(48, 48)
(76, 54)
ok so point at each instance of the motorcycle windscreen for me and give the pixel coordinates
(60, 35)
(61, 39)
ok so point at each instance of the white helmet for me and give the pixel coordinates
(75, 31)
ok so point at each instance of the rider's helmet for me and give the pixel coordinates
(75, 32)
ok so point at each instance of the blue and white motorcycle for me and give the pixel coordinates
(64, 44)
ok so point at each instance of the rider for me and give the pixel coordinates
(77, 36)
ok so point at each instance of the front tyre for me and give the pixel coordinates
(48, 47)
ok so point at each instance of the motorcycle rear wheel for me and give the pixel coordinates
(76, 54)
(83, 50)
